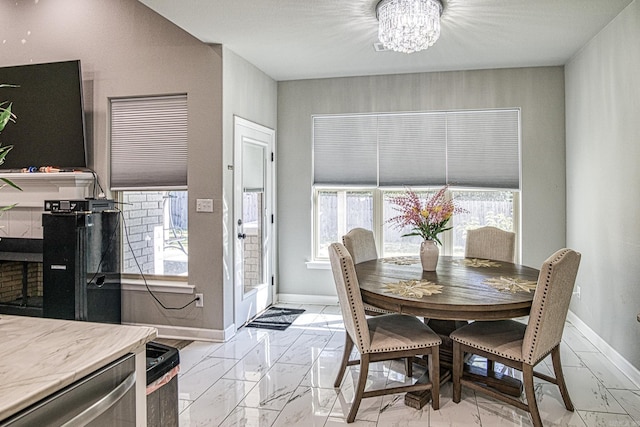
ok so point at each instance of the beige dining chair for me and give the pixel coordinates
(521, 346)
(379, 338)
(487, 243)
(490, 243)
(361, 245)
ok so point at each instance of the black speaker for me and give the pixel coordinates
(81, 266)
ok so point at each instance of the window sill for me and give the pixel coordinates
(159, 286)
(318, 265)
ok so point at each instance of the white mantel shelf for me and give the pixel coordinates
(38, 187)
(25, 219)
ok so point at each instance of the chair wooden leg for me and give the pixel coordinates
(457, 371)
(348, 347)
(557, 369)
(490, 366)
(434, 376)
(527, 376)
(359, 391)
(408, 366)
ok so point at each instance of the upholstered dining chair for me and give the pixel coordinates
(521, 346)
(379, 338)
(362, 247)
(490, 243)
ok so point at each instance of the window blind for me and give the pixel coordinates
(479, 148)
(149, 142)
(483, 149)
(411, 149)
(345, 150)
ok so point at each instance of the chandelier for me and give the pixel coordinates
(408, 25)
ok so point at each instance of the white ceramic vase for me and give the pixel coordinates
(429, 253)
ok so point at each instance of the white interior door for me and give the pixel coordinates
(253, 219)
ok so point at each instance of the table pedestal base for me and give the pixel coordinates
(417, 399)
(503, 383)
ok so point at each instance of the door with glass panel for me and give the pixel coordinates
(253, 219)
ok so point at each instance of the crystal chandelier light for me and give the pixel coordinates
(408, 25)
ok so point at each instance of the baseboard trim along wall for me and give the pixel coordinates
(195, 334)
(307, 299)
(616, 358)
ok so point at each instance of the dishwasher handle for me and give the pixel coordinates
(104, 403)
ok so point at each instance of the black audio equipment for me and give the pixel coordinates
(84, 205)
(81, 263)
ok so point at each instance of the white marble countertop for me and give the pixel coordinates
(40, 356)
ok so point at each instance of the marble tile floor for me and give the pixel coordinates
(285, 378)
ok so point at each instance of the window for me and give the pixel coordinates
(149, 178)
(156, 234)
(360, 161)
(339, 210)
(496, 208)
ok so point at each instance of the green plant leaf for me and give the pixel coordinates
(3, 152)
(5, 116)
(10, 183)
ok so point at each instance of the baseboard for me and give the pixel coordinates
(616, 358)
(308, 299)
(194, 334)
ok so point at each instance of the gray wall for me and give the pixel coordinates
(252, 95)
(539, 92)
(127, 50)
(603, 177)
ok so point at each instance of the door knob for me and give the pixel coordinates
(241, 235)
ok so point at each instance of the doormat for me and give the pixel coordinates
(276, 318)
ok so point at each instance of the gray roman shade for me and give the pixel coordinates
(149, 142)
(412, 149)
(483, 149)
(345, 150)
(479, 148)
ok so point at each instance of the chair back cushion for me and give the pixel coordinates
(490, 243)
(361, 245)
(550, 304)
(344, 275)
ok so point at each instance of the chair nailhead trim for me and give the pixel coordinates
(357, 324)
(536, 326)
(543, 300)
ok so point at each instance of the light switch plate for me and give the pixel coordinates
(204, 205)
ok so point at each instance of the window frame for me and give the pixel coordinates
(378, 215)
(160, 157)
(141, 277)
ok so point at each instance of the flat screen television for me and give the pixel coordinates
(49, 126)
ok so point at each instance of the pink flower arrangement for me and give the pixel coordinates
(427, 219)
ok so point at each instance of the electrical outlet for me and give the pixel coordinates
(577, 292)
(199, 300)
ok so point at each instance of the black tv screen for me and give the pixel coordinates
(49, 124)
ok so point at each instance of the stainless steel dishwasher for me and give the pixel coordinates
(103, 398)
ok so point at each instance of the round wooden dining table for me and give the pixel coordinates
(461, 289)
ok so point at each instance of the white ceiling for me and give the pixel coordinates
(302, 39)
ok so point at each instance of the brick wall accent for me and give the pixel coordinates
(11, 280)
(143, 212)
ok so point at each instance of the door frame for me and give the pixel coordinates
(242, 314)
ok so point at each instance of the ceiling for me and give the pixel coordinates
(303, 39)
